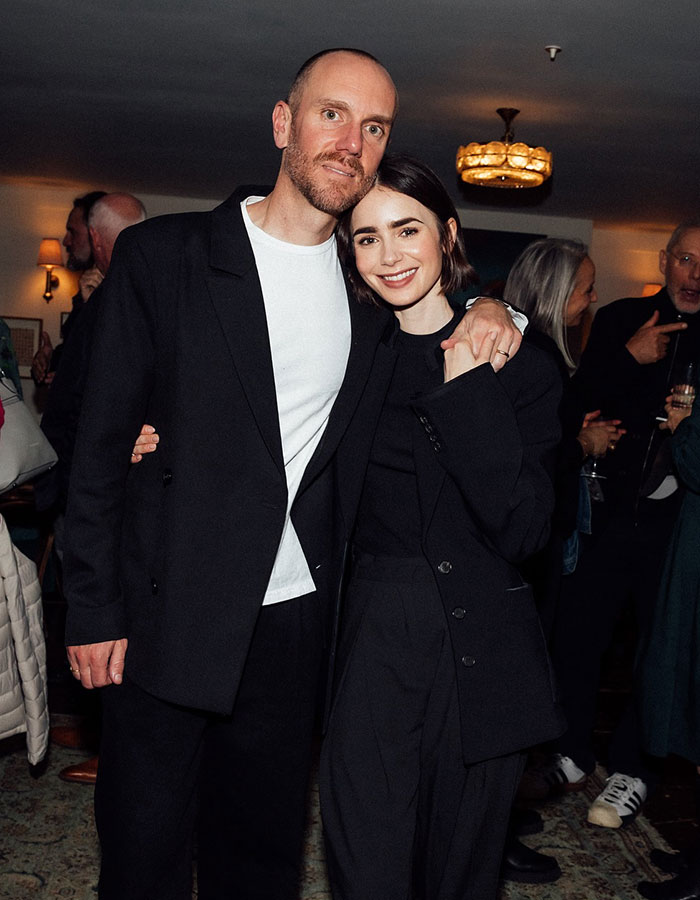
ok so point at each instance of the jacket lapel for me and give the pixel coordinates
(235, 292)
(369, 326)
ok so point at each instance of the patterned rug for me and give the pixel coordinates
(48, 847)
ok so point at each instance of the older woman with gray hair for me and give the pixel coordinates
(553, 282)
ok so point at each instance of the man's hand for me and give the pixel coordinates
(96, 665)
(89, 280)
(146, 442)
(42, 359)
(460, 359)
(649, 343)
(487, 320)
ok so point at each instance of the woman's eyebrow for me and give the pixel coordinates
(372, 229)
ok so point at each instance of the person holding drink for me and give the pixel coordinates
(669, 661)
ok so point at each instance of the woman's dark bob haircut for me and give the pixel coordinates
(408, 176)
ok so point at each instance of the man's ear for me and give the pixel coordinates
(663, 262)
(281, 124)
(95, 240)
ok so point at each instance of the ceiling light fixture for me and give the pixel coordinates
(503, 163)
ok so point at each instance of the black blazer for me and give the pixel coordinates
(484, 448)
(176, 553)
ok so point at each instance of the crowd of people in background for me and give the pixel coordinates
(299, 481)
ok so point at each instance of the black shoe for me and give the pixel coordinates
(683, 887)
(525, 821)
(670, 863)
(527, 866)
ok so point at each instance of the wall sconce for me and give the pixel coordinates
(49, 257)
(651, 288)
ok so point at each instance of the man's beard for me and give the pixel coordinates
(331, 199)
(78, 265)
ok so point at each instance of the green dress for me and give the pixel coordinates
(669, 661)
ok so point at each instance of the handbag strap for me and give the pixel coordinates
(8, 391)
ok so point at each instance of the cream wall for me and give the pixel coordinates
(625, 259)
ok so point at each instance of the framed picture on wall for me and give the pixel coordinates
(26, 334)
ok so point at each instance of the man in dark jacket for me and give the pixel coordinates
(636, 347)
(80, 259)
(108, 216)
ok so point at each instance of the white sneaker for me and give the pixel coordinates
(619, 802)
(558, 774)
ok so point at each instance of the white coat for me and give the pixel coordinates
(23, 686)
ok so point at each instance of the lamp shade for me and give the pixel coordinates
(50, 253)
(651, 288)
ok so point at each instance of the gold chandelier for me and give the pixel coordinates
(502, 163)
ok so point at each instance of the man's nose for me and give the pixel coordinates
(350, 139)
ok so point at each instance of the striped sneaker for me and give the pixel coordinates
(619, 802)
(558, 774)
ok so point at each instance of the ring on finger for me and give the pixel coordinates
(504, 352)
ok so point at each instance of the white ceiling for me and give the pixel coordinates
(174, 97)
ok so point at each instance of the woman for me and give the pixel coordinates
(553, 282)
(442, 676)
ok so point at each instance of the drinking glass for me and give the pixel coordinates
(683, 390)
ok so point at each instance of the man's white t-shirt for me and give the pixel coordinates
(308, 323)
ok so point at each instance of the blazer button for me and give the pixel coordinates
(468, 661)
(154, 586)
(445, 567)
(459, 612)
(167, 477)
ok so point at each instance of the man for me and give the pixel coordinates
(627, 370)
(217, 561)
(77, 243)
(108, 216)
